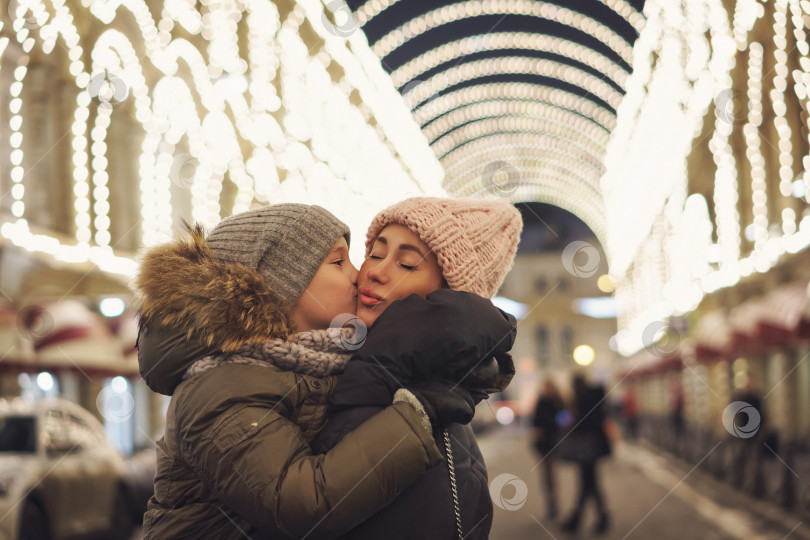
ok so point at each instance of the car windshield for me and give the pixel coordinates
(18, 434)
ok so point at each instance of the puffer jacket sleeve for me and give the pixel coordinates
(448, 333)
(259, 464)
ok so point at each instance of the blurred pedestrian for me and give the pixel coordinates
(587, 442)
(751, 438)
(752, 420)
(545, 436)
(676, 410)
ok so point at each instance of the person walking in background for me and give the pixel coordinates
(586, 443)
(545, 435)
(676, 410)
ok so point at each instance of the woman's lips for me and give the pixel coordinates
(368, 298)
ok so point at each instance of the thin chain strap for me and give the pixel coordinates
(451, 465)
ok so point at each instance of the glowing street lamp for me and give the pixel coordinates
(584, 355)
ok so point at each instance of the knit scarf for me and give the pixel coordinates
(318, 353)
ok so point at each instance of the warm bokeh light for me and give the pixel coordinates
(605, 284)
(584, 355)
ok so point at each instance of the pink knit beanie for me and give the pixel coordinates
(475, 240)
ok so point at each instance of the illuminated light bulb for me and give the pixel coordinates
(113, 52)
(520, 91)
(605, 284)
(394, 39)
(45, 381)
(753, 147)
(452, 51)
(786, 173)
(111, 307)
(15, 141)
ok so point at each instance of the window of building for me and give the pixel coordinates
(541, 335)
(567, 341)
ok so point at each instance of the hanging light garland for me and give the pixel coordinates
(209, 118)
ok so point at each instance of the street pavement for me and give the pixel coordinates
(648, 496)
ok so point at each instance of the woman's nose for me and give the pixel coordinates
(377, 272)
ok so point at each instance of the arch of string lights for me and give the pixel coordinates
(725, 82)
(516, 97)
(253, 93)
(596, 106)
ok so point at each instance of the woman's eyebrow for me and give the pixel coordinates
(409, 247)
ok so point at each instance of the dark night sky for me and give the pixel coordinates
(548, 228)
(405, 10)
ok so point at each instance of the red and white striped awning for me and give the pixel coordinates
(12, 345)
(713, 333)
(786, 305)
(66, 334)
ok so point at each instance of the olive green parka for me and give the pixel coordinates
(235, 458)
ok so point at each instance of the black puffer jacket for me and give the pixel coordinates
(425, 510)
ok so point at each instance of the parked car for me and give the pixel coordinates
(141, 481)
(59, 477)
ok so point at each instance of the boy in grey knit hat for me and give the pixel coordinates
(286, 243)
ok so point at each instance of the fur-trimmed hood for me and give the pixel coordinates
(224, 305)
(193, 305)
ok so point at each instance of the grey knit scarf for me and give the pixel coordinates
(318, 353)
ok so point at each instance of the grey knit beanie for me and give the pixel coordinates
(286, 243)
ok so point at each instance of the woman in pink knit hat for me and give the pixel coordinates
(432, 249)
(237, 326)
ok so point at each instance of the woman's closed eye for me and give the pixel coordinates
(408, 267)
